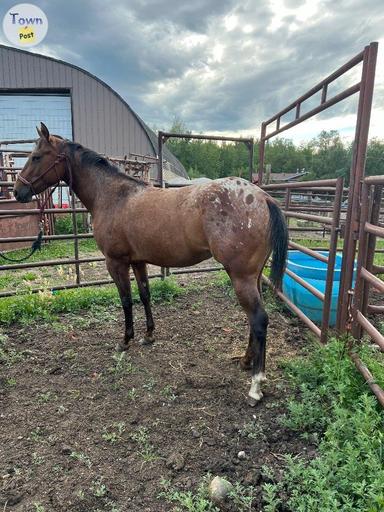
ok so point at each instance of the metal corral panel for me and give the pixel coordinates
(101, 119)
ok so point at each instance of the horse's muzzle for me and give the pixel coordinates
(23, 194)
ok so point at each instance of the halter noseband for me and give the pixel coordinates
(36, 245)
(59, 157)
(42, 204)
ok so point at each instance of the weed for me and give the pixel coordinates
(165, 291)
(37, 434)
(11, 382)
(133, 394)
(252, 430)
(30, 276)
(223, 281)
(242, 497)
(113, 433)
(61, 409)
(146, 449)
(80, 494)
(188, 501)
(82, 458)
(69, 355)
(39, 507)
(46, 397)
(123, 364)
(348, 472)
(8, 355)
(98, 489)
(168, 392)
(37, 459)
(150, 384)
(26, 307)
(74, 393)
(271, 500)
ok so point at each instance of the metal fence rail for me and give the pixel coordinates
(366, 279)
(333, 221)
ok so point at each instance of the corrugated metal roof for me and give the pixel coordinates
(101, 119)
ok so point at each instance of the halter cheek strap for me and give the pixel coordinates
(37, 243)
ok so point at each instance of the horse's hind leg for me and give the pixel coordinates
(249, 297)
(140, 270)
(119, 270)
(247, 360)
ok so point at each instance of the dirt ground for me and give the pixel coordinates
(84, 429)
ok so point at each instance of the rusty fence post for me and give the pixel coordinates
(75, 239)
(261, 154)
(335, 228)
(371, 243)
(355, 182)
(361, 285)
(160, 178)
(250, 146)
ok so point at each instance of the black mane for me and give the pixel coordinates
(90, 158)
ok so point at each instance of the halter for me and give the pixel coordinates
(36, 245)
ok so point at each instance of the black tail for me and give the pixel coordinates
(279, 242)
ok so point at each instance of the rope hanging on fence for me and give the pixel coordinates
(36, 245)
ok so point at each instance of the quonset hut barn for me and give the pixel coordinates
(74, 104)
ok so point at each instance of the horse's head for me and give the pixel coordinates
(45, 167)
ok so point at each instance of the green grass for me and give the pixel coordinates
(55, 250)
(45, 305)
(334, 407)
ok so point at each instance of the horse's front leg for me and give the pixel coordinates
(119, 270)
(140, 270)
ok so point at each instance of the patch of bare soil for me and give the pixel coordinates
(83, 429)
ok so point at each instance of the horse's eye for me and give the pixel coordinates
(35, 158)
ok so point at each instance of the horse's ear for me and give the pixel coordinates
(44, 132)
(39, 132)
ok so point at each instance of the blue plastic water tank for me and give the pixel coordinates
(315, 273)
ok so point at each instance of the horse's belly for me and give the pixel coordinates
(175, 259)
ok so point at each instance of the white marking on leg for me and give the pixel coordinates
(255, 391)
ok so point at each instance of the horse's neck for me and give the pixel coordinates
(91, 186)
(97, 188)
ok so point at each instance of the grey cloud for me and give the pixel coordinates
(135, 46)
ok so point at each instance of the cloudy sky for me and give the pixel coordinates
(220, 66)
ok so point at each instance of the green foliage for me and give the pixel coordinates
(241, 498)
(188, 501)
(8, 355)
(145, 449)
(53, 250)
(223, 280)
(348, 472)
(44, 305)
(325, 156)
(64, 224)
(209, 158)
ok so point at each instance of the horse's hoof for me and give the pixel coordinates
(253, 401)
(122, 347)
(146, 341)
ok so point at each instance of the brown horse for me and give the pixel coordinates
(135, 224)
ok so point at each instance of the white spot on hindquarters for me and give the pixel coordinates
(255, 392)
(249, 223)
